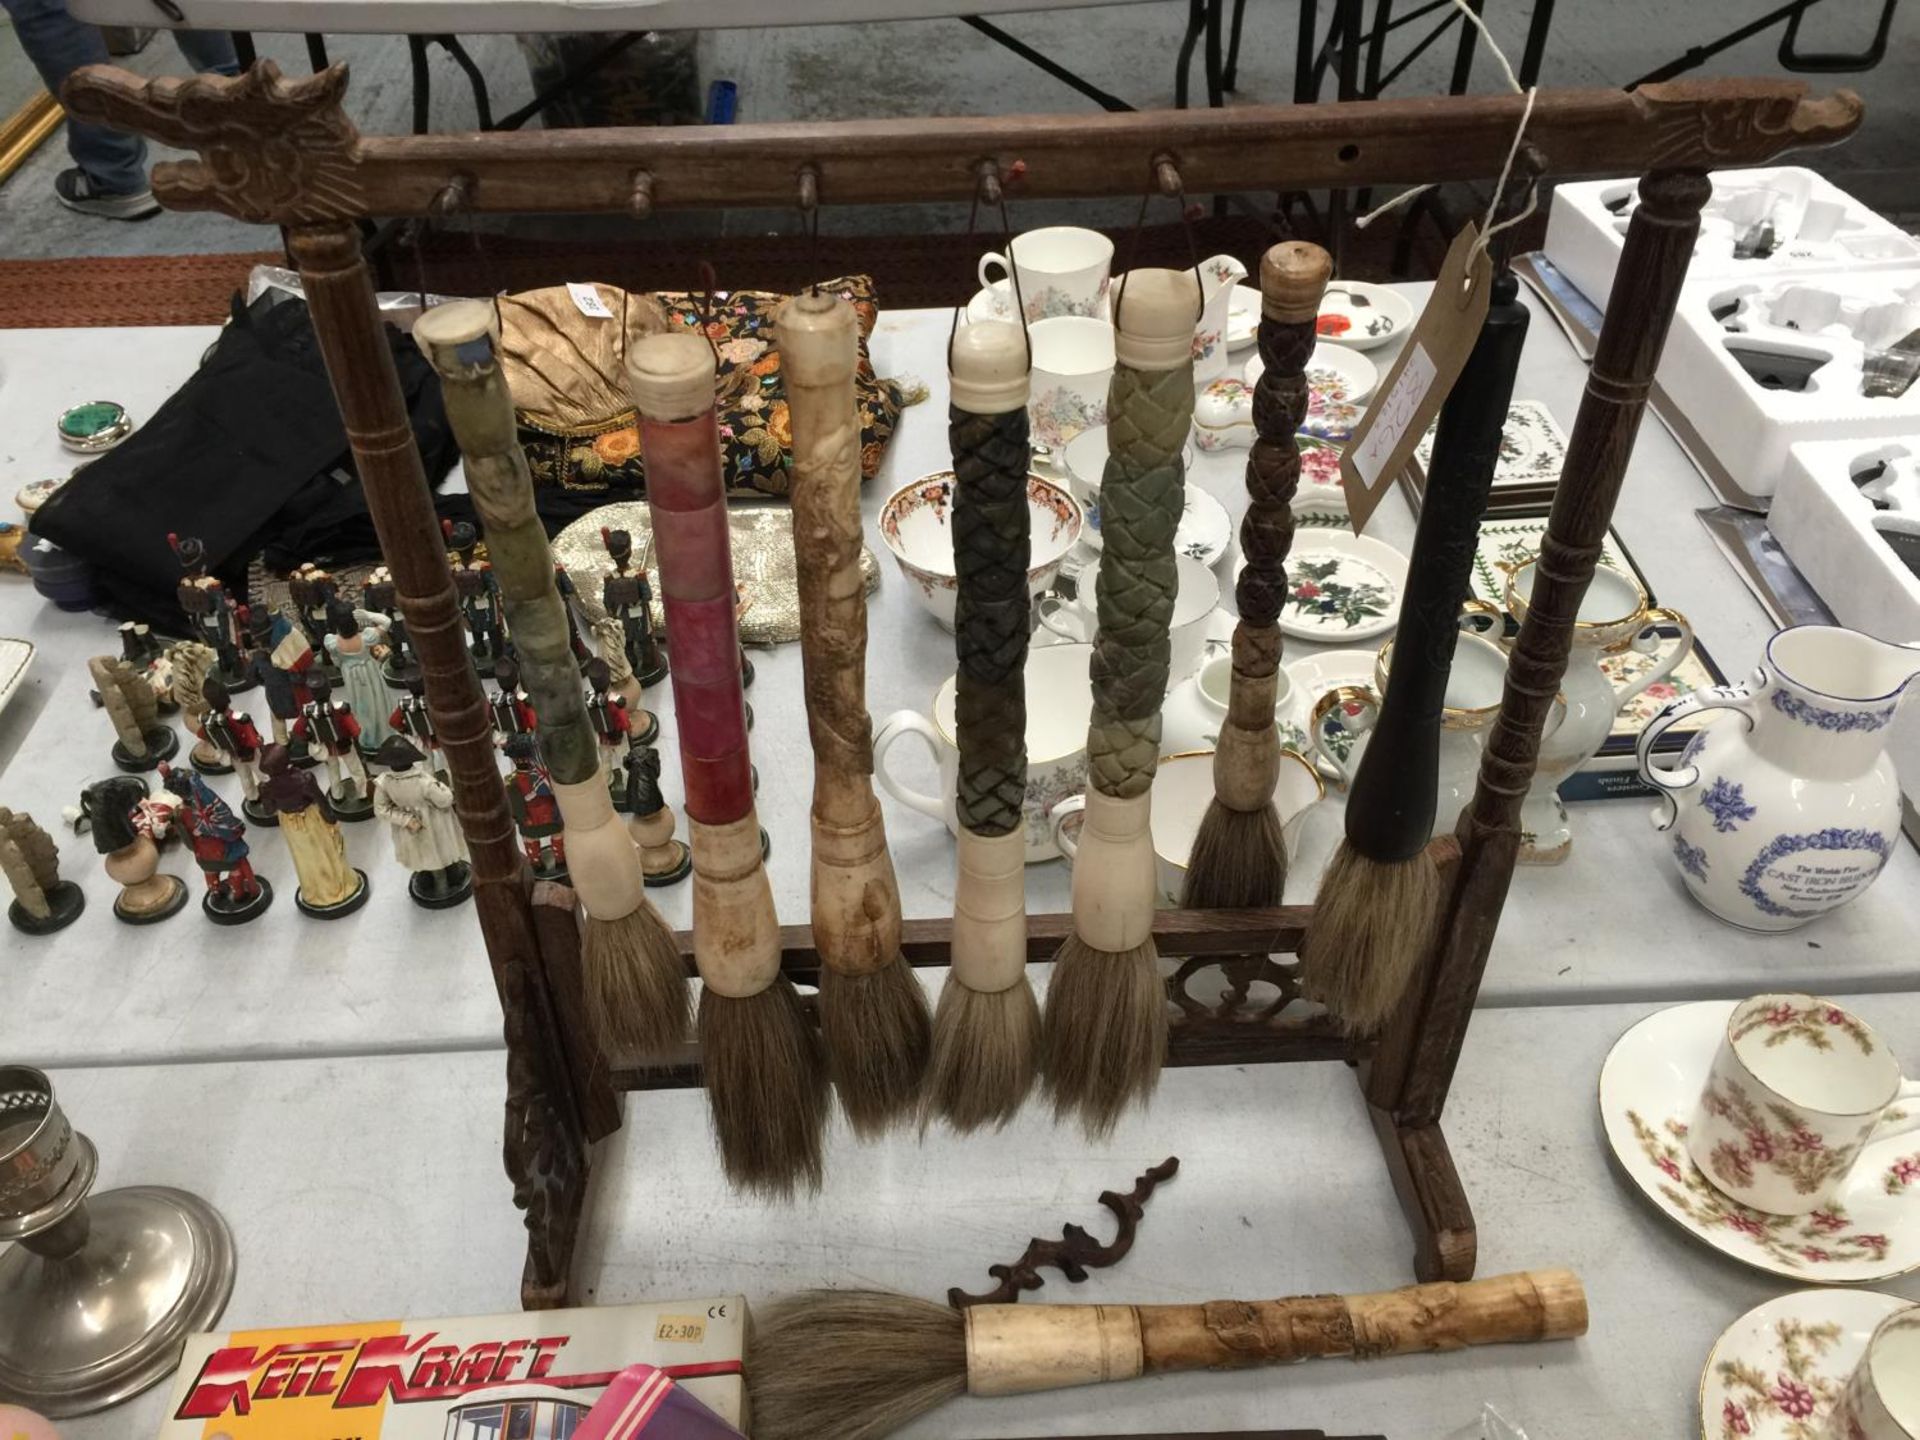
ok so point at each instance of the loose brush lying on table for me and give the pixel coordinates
(860, 1364)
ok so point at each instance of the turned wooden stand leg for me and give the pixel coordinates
(546, 1137)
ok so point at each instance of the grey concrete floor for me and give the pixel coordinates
(942, 67)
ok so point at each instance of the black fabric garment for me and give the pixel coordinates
(250, 456)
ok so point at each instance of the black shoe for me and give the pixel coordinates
(74, 189)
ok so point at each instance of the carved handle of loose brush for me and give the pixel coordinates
(1390, 812)
(1246, 760)
(987, 432)
(1014, 1349)
(856, 898)
(461, 341)
(735, 928)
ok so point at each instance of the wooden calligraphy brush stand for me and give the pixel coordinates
(279, 151)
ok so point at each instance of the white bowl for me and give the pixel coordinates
(916, 524)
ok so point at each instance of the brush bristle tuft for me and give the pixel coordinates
(1372, 925)
(852, 1364)
(877, 1032)
(1103, 1036)
(766, 1088)
(986, 1046)
(1239, 860)
(637, 983)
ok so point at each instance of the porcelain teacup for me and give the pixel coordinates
(1059, 699)
(1072, 365)
(1193, 605)
(1063, 270)
(1882, 1399)
(1182, 790)
(1797, 1089)
(916, 522)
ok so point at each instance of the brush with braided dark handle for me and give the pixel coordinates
(986, 1029)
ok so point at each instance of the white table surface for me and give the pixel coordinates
(1613, 923)
(373, 1189)
(485, 17)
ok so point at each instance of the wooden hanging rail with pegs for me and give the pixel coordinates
(283, 151)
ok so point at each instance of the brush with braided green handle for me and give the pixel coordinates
(1104, 1030)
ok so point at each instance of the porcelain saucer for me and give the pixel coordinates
(1335, 377)
(1205, 531)
(1648, 1087)
(1243, 317)
(995, 302)
(1341, 587)
(1362, 316)
(1312, 677)
(16, 656)
(1775, 1373)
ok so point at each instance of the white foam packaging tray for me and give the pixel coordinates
(1818, 227)
(1834, 318)
(1825, 524)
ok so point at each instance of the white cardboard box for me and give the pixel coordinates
(1833, 319)
(1587, 226)
(1825, 525)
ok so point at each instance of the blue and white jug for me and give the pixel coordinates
(1775, 822)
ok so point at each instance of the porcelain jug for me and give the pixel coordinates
(1775, 822)
(1615, 616)
(1218, 276)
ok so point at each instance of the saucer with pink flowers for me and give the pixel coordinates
(1776, 1372)
(1648, 1088)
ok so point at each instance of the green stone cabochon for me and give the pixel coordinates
(85, 421)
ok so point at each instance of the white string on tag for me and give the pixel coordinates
(1488, 228)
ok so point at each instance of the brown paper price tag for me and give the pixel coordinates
(1428, 364)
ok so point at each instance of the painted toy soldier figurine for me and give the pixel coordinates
(473, 584)
(536, 814)
(333, 733)
(232, 733)
(380, 597)
(280, 660)
(329, 886)
(142, 740)
(354, 643)
(413, 720)
(234, 894)
(615, 725)
(209, 610)
(127, 829)
(629, 599)
(312, 591)
(563, 582)
(418, 808)
(663, 859)
(512, 710)
(42, 901)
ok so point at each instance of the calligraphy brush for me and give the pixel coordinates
(1239, 856)
(1381, 896)
(986, 1031)
(636, 981)
(1103, 1034)
(874, 1019)
(860, 1364)
(760, 1055)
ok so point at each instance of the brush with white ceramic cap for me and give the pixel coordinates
(761, 1058)
(870, 1362)
(636, 980)
(874, 1018)
(987, 1029)
(1104, 1030)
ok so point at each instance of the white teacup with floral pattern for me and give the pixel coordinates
(1882, 1400)
(1064, 270)
(1072, 366)
(1798, 1088)
(916, 522)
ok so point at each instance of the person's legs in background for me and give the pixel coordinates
(109, 177)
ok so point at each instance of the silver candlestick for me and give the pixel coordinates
(96, 1294)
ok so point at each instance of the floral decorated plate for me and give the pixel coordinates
(1777, 1370)
(1334, 377)
(1342, 587)
(1648, 1088)
(1362, 316)
(1532, 449)
(1205, 531)
(1243, 317)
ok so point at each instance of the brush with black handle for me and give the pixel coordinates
(1381, 896)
